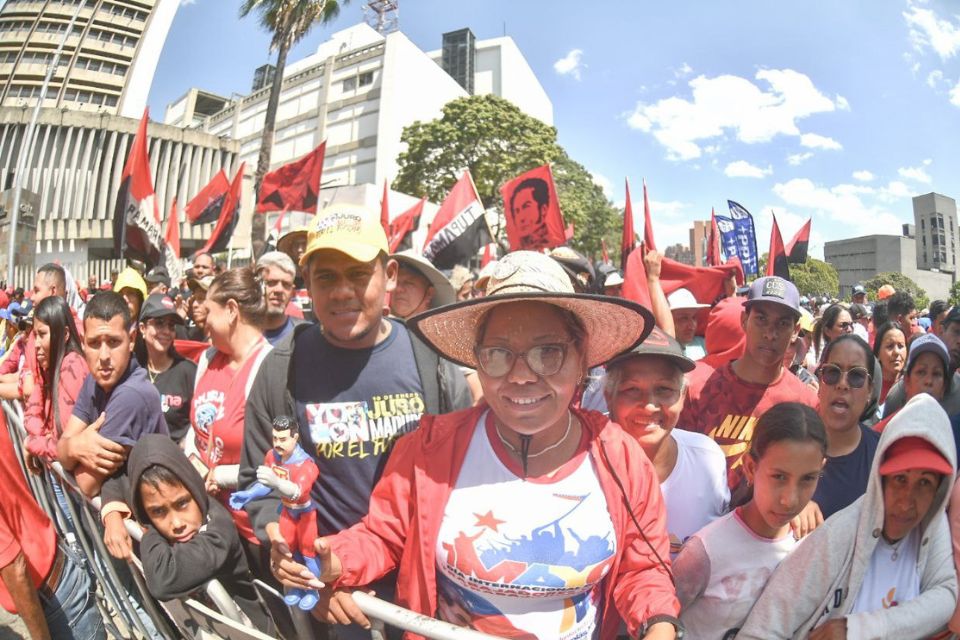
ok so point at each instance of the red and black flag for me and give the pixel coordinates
(460, 227)
(628, 237)
(713, 257)
(205, 206)
(705, 283)
(136, 219)
(294, 186)
(648, 242)
(399, 234)
(532, 210)
(797, 247)
(171, 251)
(229, 216)
(777, 264)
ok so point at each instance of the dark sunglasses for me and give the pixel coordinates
(845, 326)
(543, 360)
(831, 374)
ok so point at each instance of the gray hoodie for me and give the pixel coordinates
(820, 580)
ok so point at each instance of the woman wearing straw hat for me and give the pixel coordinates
(511, 517)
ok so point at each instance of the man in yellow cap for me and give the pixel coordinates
(355, 381)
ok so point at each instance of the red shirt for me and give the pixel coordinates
(24, 527)
(39, 415)
(217, 412)
(726, 408)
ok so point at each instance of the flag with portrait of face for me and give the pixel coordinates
(532, 210)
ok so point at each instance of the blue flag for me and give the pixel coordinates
(746, 236)
(728, 237)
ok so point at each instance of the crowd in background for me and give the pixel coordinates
(516, 449)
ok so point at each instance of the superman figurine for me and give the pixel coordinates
(289, 471)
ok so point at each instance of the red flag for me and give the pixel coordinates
(713, 242)
(400, 229)
(229, 215)
(647, 225)
(191, 349)
(294, 186)
(385, 211)
(460, 227)
(205, 206)
(173, 230)
(136, 219)
(797, 247)
(603, 248)
(487, 255)
(532, 210)
(777, 258)
(628, 237)
(705, 283)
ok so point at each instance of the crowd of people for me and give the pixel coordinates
(518, 450)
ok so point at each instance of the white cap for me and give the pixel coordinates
(683, 299)
(613, 279)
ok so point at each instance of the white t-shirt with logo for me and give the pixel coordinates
(720, 573)
(696, 491)
(523, 557)
(892, 577)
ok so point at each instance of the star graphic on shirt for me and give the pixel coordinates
(487, 520)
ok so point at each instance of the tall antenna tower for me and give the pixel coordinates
(382, 15)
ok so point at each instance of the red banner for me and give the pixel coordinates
(628, 237)
(294, 186)
(136, 219)
(532, 210)
(205, 206)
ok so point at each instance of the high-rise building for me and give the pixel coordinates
(107, 64)
(935, 226)
(459, 57)
(357, 93)
(699, 233)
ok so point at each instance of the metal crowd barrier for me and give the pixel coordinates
(80, 527)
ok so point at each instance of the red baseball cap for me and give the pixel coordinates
(913, 452)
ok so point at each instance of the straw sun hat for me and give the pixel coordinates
(613, 325)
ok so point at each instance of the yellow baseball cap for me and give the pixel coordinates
(349, 229)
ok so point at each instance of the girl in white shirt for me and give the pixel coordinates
(722, 569)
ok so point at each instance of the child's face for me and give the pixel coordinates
(172, 510)
(784, 480)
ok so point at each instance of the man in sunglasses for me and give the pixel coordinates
(726, 402)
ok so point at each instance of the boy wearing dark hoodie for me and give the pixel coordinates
(189, 538)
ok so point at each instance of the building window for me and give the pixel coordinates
(366, 78)
(349, 84)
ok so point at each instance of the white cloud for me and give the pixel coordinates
(669, 209)
(798, 158)
(895, 190)
(842, 103)
(955, 95)
(917, 174)
(863, 176)
(743, 169)
(934, 78)
(816, 141)
(927, 30)
(684, 70)
(570, 64)
(724, 104)
(842, 203)
(603, 182)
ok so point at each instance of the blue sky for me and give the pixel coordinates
(837, 110)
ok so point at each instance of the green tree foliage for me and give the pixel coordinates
(815, 277)
(954, 299)
(287, 21)
(496, 141)
(899, 282)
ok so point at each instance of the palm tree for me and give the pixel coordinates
(288, 21)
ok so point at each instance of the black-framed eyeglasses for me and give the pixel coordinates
(831, 374)
(543, 359)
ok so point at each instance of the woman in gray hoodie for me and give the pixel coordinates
(827, 587)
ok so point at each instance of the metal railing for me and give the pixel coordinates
(79, 526)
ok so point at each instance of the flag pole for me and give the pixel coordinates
(230, 251)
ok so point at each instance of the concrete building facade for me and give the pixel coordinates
(73, 176)
(108, 61)
(859, 259)
(358, 92)
(935, 225)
